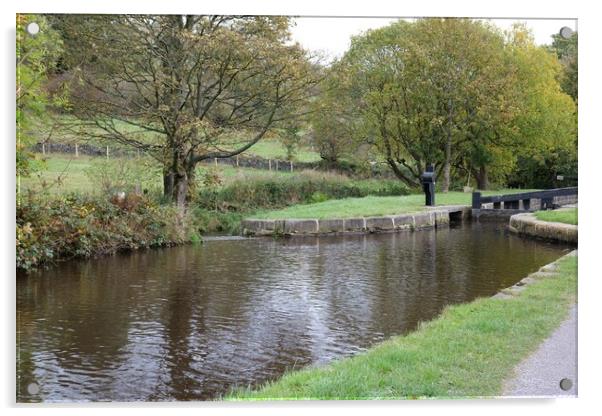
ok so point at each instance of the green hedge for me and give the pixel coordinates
(306, 187)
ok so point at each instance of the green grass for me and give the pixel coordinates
(268, 147)
(65, 173)
(467, 352)
(567, 216)
(273, 149)
(370, 206)
(61, 174)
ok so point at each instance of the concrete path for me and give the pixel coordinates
(556, 358)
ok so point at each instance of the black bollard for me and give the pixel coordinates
(428, 185)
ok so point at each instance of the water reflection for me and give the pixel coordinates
(189, 323)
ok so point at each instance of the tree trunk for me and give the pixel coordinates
(181, 190)
(447, 166)
(482, 179)
(448, 145)
(168, 185)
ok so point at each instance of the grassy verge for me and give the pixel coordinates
(567, 216)
(467, 352)
(369, 206)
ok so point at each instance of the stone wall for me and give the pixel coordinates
(527, 224)
(388, 223)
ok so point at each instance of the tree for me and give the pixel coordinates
(567, 52)
(454, 93)
(422, 86)
(332, 117)
(547, 120)
(36, 55)
(177, 87)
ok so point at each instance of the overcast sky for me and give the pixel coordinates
(332, 35)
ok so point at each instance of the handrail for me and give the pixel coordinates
(478, 200)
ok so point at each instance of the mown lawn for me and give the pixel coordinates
(467, 352)
(567, 216)
(371, 206)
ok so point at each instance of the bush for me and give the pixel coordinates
(306, 187)
(58, 228)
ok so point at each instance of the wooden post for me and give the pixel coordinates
(107, 152)
(43, 148)
(76, 150)
(236, 160)
(276, 164)
(270, 164)
(215, 160)
(291, 165)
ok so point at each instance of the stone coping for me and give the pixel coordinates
(549, 270)
(528, 224)
(431, 218)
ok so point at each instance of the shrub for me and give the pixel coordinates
(57, 228)
(307, 187)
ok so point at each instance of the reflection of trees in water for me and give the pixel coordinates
(189, 322)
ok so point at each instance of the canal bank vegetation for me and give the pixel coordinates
(566, 216)
(468, 351)
(57, 228)
(251, 92)
(101, 207)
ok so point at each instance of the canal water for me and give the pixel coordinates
(192, 322)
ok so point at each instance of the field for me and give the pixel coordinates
(67, 173)
(65, 132)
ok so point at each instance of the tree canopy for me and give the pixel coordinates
(454, 93)
(202, 86)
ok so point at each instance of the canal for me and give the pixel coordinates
(192, 322)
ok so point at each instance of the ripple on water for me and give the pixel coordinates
(189, 323)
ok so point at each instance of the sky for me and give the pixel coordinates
(331, 35)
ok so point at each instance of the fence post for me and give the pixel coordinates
(107, 152)
(270, 164)
(236, 160)
(76, 150)
(215, 160)
(291, 165)
(476, 200)
(43, 149)
(276, 164)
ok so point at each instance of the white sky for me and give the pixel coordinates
(331, 35)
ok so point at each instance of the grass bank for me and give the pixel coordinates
(566, 216)
(467, 352)
(370, 206)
